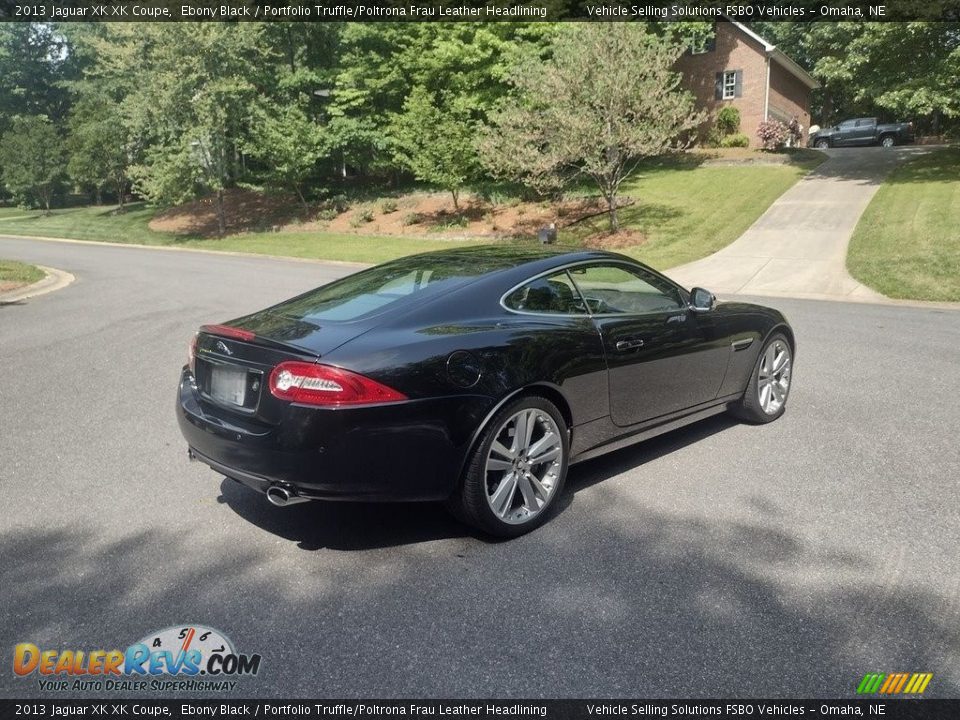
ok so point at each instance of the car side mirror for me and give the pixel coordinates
(702, 300)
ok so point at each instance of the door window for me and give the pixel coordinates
(553, 294)
(616, 289)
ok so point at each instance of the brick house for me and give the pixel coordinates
(738, 67)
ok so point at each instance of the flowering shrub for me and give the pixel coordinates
(773, 134)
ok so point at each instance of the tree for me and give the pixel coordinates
(289, 144)
(906, 69)
(189, 93)
(31, 155)
(98, 145)
(607, 99)
(435, 141)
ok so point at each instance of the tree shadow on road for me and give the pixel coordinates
(659, 606)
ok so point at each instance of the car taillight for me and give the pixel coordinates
(325, 385)
(192, 353)
(227, 331)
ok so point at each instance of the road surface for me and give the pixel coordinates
(717, 561)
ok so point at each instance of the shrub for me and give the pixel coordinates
(388, 206)
(365, 216)
(773, 134)
(738, 140)
(327, 214)
(340, 203)
(728, 122)
(411, 218)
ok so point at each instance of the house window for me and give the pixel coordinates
(729, 84)
(704, 45)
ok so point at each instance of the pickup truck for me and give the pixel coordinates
(862, 131)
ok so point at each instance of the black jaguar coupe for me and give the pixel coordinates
(473, 376)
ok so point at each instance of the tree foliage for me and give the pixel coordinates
(434, 138)
(31, 155)
(606, 99)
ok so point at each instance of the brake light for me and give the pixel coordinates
(192, 353)
(227, 331)
(311, 384)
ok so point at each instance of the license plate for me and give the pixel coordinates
(228, 385)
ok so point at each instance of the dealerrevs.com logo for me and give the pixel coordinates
(180, 658)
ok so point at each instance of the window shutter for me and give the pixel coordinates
(738, 88)
(718, 95)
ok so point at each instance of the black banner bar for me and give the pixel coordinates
(913, 709)
(472, 10)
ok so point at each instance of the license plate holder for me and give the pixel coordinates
(228, 385)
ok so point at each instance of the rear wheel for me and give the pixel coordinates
(766, 396)
(517, 471)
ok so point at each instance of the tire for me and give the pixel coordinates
(823, 144)
(765, 398)
(496, 494)
(888, 141)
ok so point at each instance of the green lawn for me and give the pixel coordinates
(686, 210)
(907, 244)
(689, 213)
(20, 273)
(105, 224)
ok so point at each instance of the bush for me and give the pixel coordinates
(388, 206)
(773, 134)
(728, 123)
(365, 216)
(738, 140)
(328, 214)
(411, 218)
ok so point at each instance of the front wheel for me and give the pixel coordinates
(888, 142)
(823, 144)
(766, 396)
(517, 471)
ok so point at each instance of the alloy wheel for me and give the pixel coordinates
(523, 466)
(773, 377)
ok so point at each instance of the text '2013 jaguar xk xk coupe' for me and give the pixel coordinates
(474, 376)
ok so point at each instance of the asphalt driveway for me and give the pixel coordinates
(798, 247)
(720, 560)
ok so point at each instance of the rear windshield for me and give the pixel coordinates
(390, 286)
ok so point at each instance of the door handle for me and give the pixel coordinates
(629, 344)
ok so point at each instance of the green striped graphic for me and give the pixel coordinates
(894, 683)
(871, 683)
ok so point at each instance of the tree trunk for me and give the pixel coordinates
(221, 216)
(612, 211)
(121, 186)
(456, 200)
(303, 200)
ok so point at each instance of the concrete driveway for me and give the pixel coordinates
(798, 247)
(720, 560)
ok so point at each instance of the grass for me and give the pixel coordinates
(685, 209)
(907, 243)
(106, 225)
(19, 273)
(690, 212)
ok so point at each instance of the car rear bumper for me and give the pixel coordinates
(398, 451)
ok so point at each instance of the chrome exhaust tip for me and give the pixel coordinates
(281, 497)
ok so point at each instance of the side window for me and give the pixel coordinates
(848, 124)
(553, 294)
(618, 289)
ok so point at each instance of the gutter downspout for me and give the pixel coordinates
(766, 92)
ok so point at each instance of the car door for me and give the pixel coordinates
(864, 132)
(661, 356)
(845, 133)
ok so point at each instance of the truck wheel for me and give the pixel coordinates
(888, 141)
(823, 144)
